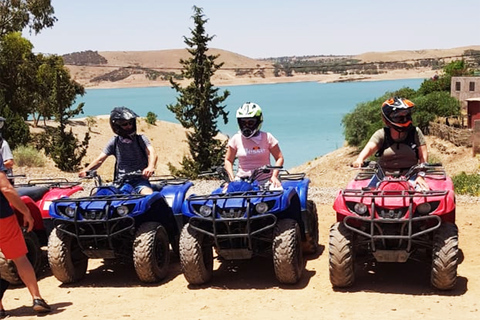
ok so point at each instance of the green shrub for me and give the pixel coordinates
(64, 148)
(91, 122)
(433, 158)
(27, 156)
(467, 184)
(151, 118)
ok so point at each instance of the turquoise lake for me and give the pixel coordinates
(304, 116)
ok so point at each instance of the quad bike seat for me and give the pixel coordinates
(34, 192)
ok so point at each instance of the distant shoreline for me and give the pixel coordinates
(134, 82)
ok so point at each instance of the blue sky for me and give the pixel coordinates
(263, 28)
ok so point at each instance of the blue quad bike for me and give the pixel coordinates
(116, 223)
(247, 219)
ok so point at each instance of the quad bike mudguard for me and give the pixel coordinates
(105, 217)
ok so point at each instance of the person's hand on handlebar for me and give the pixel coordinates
(357, 163)
(275, 182)
(148, 172)
(421, 183)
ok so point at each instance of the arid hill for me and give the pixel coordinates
(406, 55)
(152, 68)
(162, 61)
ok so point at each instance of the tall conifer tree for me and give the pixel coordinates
(199, 105)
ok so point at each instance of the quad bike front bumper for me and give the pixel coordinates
(393, 226)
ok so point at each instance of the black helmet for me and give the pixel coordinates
(123, 121)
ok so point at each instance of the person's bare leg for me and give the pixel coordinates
(27, 274)
(146, 191)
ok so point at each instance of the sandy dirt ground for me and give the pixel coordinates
(249, 290)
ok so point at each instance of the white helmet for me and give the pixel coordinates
(250, 119)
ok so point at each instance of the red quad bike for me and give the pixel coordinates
(392, 221)
(37, 194)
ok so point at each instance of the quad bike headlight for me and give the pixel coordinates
(261, 207)
(360, 208)
(69, 211)
(205, 211)
(122, 211)
(424, 208)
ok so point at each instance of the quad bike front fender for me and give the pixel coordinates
(175, 195)
(301, 187)
(34, 210)
(54, 194)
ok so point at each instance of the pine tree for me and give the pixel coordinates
(198, 105)
(59, 96)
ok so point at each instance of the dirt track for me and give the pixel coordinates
(249, 290)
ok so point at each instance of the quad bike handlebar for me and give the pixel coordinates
(216, 172)
(92, 174)
(256, 173)
(375, 167)
(220, 172)
(167, 180)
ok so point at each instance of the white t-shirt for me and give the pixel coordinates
(6, 154)
(252, 153)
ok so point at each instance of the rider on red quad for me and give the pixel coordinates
(399, 145)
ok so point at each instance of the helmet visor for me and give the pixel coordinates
(249, 122)
(401, 116)
(125, 124)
